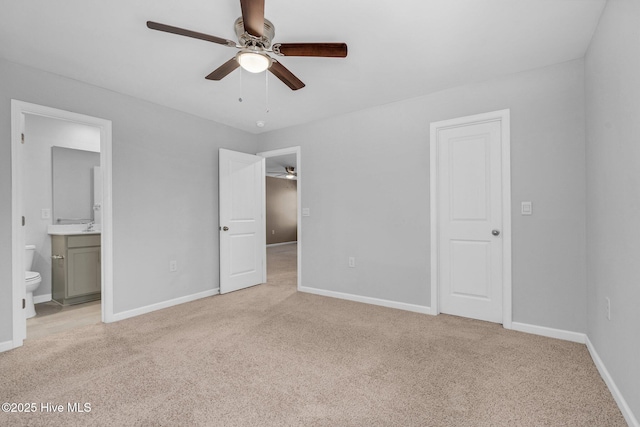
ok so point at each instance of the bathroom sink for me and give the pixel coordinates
(68, 230)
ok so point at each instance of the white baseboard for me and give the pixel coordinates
(550, 332)
(368, 300)
(281, 244)
(164, 304)
(604, 373)
(37, 299)
(6, 346)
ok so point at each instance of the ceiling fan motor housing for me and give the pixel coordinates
(247, 40)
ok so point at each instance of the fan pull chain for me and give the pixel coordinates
(240, 98)
(266, 96)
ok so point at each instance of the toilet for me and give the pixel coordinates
(32, 280)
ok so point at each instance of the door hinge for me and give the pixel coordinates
(24, 221)
(24, 303)
(22, 137)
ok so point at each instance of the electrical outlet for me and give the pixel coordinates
(173, 266)
(608, 308)
(306, 212)
(352, 262)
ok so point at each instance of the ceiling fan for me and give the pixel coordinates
(289, 173)
(255, 34)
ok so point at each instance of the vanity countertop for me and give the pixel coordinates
(72, 233)
(71, 230)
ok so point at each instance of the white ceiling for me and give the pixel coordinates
(397, 49)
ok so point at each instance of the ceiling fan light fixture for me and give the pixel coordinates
(253, 62)
(291, 174)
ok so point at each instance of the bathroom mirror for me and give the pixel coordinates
(73, 185)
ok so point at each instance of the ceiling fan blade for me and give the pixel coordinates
(286, 76)
(189, 33)
(253, 16)
(223, 70)
(331, 50)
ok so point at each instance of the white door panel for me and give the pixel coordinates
(468, 169)
(469, 209)
(470, 275)
(242, 235)
(243, 257)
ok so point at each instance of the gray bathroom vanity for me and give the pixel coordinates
(75, 267)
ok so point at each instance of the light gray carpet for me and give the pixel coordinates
(269, 356)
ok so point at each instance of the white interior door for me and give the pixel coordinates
(469, 211)
(242, 221)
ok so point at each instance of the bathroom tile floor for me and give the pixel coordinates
(53, 318)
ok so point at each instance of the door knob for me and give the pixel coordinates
(225, 228)
(496, 232)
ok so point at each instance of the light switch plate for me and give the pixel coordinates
(46, 214)
(526, 208)
(306, 212)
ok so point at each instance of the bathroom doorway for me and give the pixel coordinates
(283, 216)
(61, 194)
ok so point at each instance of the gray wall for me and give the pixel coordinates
(282, 210)
(164, 188)
(613, 197)
(42, 133)
(366, 182)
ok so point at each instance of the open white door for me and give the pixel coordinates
(242, 221)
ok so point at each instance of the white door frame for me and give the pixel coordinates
(502, 116)
(296, 151)
(18, 111)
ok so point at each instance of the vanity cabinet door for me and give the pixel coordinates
(84, 272)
